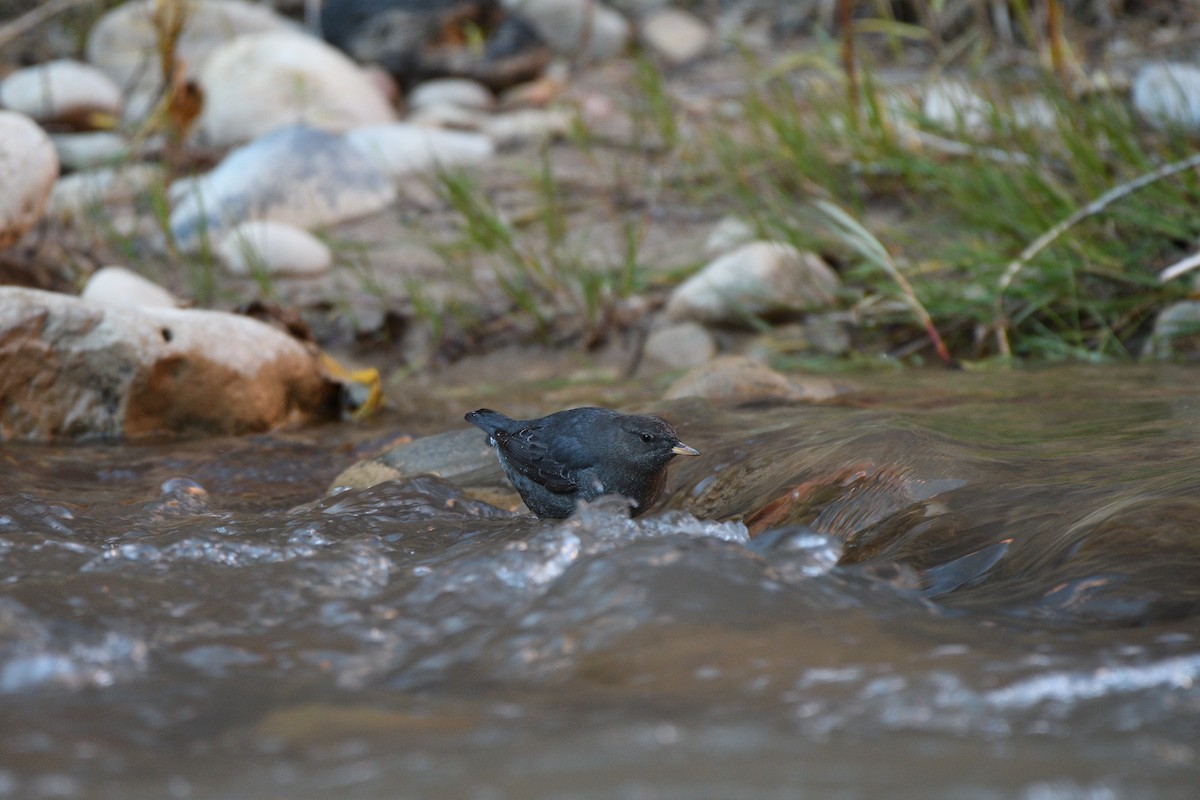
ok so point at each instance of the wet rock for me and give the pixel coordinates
(674, 35)
(460, 92)
(273, 248)
(417, 40)
(80, 194)
(28, 169)
(1168, 94)
(118, 287)
(86, 150)
(297, 175)
(680, 346)
(461, 456)
(739, 379)
(257, 83)
(75, 369)
(757, 279)
(586, 30)
(401, 148)
(63, 90)
(1176, 332)
(124, 42)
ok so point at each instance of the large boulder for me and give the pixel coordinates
(70, 368)
(28, 169)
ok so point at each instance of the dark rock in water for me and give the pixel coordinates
(419, 39)
(462, 457)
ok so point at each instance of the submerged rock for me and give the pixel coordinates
(297, 175)
(257, 83)
(759, 278)
(75, 369)
(462, 456)
(63, 90)
(28, 169)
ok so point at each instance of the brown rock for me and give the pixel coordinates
(741, 379)
(69, 368)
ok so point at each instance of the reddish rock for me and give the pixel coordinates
(69, 368)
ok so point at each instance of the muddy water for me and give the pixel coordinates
(969, 585)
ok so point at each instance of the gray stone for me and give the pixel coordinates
(297, 175)
(80, 194)
(86, 150)
(728, 233)
(527, 126)
(59, 91)
(118, 287)
(76, 369)
(955, 106)
(124, 42)
(28, 169)
(1176, 332)
(681, 346)
(586, 30)
(674, 35)
(460, 92)
(1168, 94)
(273, 248)
(759, 278)
(399, 149)
(260, 82)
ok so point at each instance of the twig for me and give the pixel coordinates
(858, 237)
(31, 19)
(1046, 239)
(1179, 267)
(846, 20)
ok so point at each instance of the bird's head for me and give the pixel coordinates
(649, 442)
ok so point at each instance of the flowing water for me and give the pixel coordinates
(946, 586)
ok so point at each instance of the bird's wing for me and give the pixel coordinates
(526, 452)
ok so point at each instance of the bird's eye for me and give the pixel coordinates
(647, 437)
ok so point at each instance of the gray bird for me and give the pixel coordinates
(581, 454)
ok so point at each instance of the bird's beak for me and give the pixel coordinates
(681, 449)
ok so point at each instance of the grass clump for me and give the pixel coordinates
(1033, 224)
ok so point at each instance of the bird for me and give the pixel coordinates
(582, 453)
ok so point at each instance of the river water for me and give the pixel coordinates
(971, 585)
